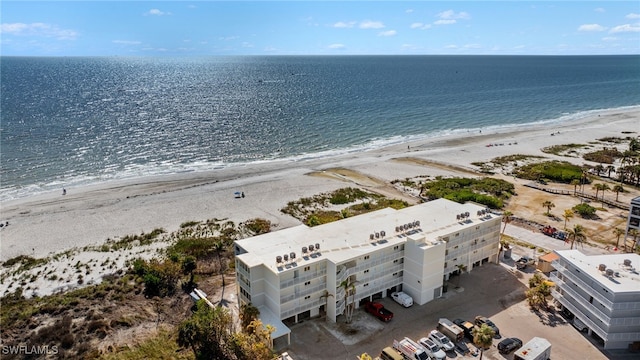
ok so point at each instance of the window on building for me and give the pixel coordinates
(395, 247)
(365, 285)
(445, 265)
(457, 234)
(307, 283)
(307, 268)
(307, 297)
(366, 271)
(366, 257)
(396, 261)
(395, 274)
(446, 252)
(456, 247)
(446, 239)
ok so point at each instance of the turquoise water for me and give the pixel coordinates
(75, 121)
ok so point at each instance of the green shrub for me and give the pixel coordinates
(558, 171)
(585, 210)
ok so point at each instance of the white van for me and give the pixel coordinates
(402, 298)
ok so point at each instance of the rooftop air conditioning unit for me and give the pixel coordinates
(609, 272)
(371, 236)
(278, 259)
(317, 246)
(602, 267)
(627, 262)
(311, 247)
(417, 222)
(382, 233)
(377, 235)
(292, 255)
(466, 214)
(397, 229)
(304, 250)
(285, 257)
(458, 217)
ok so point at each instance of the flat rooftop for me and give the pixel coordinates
(628, 278)
(350, 238)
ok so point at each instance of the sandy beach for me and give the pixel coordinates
(52, 223)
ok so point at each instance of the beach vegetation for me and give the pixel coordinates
(486, 191)
(603, 156)
(258, 226)
(187, 224)
(585, 210)
(558, 171)
(24, 263)
(160, 277)
(563, 150)
(509, 159)
(163, 345)
(614, 139)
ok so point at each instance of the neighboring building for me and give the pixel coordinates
(544, 262)
(633, 223)
(602, 291)
(300, 272)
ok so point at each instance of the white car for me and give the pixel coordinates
(433, 350)
(402, 298)
(441, 340)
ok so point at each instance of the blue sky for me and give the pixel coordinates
(200, 28)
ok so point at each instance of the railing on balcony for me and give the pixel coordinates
(301, 279)
(301, 293)
(583, 285)
(606, 319)
(301, 308)
(574, 310)
(345, 272)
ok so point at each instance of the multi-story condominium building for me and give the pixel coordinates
(302, 272)
(633, 223)
(603, 292)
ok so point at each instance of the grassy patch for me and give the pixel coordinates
(487, 191)
(559, 171)
(604, 156)
(26, 262)
(258, 226)
(161, 346)
(561, 150)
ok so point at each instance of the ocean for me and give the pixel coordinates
(74, 121)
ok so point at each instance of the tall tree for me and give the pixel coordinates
(568, 214)
(618, 189)
(549, 205)
(634, 234)
(618, 232)
(483, 338)
(575, 183)
(349, 287)
(604, 188)
(461, 269)
(610, 169)
(597, 188)
(206, 331)
(218, 247)
(576, 235)
(248, 313)
(189, 265)
(506, 218)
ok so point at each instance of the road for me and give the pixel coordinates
(547, 242)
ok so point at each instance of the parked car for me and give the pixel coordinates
(483, 320)
(509, 345)
(378, 310)
(433, 350)
(524, 261)
(579, 325)
(441, 340)
(462, 348)
(402, 298)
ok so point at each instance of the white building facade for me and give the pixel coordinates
(603, 291)
(633, 223)
(302, 272)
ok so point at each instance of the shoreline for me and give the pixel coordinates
(50, 223)
(212, 170)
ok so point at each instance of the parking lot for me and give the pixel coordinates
(494, 291)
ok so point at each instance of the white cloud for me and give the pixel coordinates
(518, 47)
(633, 16)
(445, 22)
(368, 24)
(591, 27)
(337, 46)
(451, 46)
(228, 38)
(409, 11)
(38, 29)
(388, 33)
(157, 12)
(341, 24)
(600, 10)
(625, 28)
(127, 42)
(473, 46)
(609, 38)
(450, 14)
(420, 26)
(246, 44)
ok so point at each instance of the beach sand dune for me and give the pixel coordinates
(51, 223)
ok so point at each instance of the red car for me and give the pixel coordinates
(378, 310)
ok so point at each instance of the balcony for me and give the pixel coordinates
(301, 279)
(574, 310)
(583, 285)
(606, 319)
(301, 308)
(306, 290)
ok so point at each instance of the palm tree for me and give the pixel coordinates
(568, 214)
(576, 235)
(349, 289)
(610, 169)
(618, 189)
(189, 265)
(598, 168)
(597, 188)
(483, 337)
(575, 183)
(618, 232)
(549, 205)
(326, 297)
(218, 247)
(633, 233)
(506, 218)
(604, 188)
